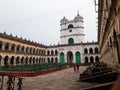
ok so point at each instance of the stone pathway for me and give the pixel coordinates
(65, 79)
(61, 80)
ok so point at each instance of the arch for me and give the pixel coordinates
(30, 60)
(6, 60)
(17, 60)
(48, 60)
(12, 60)
(56, 52)
(52, 52)
(86, 60)
(70, 26)
(0, 45)
(85, 50)
(39, 51)
(23, 48)
(78, 57)
(6, 46)
(26, 60)
(30, 50)
(56, 60)
(96, 49)
(70, 41)
(36, 51)
(18, 48)
(52, 60)
(96, 59)
(48, 52)
(91, 59)
(90, 50)
(33, 50)
(34, 60)
(22, 60)
(27, 50)
(69, 57)
(13, 47)
(62, 58)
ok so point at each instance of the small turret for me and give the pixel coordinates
(78, 18)
(64, 20)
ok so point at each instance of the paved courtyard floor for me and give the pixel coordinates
(65, 79)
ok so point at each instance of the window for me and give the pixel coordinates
(48, 52)
(91, 50)
(18, 48)
(52, 53)
(70, 30)
(7, 47)
(85, 51)
(96, 50)
(70, 26)
(70, 41)
(56, 52)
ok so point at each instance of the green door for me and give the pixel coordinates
(62, 58)
(78, 58)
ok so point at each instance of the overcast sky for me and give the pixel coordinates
(39, 20)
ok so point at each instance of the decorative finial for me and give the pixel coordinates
(78, 12)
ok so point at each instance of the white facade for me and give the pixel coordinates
(73, 48)
(72, 29)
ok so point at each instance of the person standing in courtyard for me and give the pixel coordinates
(74, 67)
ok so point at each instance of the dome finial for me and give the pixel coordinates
(78, 13)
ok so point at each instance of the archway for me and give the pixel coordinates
(96, 59)
(52, 60)
(86, 60)
(17, 60)
(26, 60)
(34, 60)
(48, 60)
(78, 58)
(12, 60)
(22, 60)
(69, 57)
(30, 60)
(91, 59)
(62, 57)
(6, 60)
(56, 60)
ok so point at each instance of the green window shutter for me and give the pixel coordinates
(62, 58)
(70, 41)
(78, 58)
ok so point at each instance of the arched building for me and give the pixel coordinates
(16, 51)
(72, 49)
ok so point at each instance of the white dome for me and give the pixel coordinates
(78, 18)
(64, 20)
